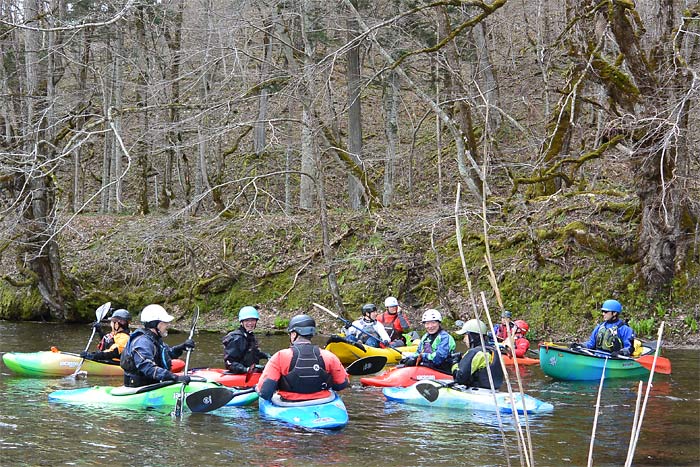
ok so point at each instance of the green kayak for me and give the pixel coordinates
(159, 395)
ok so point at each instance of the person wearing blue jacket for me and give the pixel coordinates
(436, 346)
(146, 359)
(612, 335)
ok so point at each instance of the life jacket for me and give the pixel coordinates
(250, 354)
(307, 371)
(502, 331)
(367, 328)
(106, 342)
(607, 338)
(429, 344)
(480, 378)
(391, 325)
(161, 357)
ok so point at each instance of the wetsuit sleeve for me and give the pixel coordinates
(339, 377)
(144, 358)
(267, 385)
(627, 338)
(590, 344)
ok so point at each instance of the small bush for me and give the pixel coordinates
(281, 323)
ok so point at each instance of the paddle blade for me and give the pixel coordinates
(663, 364)
(366, 365)
(209, 399)
(428, 391)
(102, 311)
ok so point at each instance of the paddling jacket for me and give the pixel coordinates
(302, 372)
(241, 350)
(436, 350)
(146, 359)
(111, 346)
(521, 346)
(394, 325)
(471, 370)
(373, 328)
(502, 330)
(612, 336)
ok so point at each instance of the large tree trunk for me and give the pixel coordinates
(355, 189)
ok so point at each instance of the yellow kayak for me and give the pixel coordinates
(348, 353)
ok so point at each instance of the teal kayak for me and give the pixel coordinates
(567, 364)
(466, 399)
(159, 395)
(329, 413)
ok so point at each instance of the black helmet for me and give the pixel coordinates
(368, 308)
(122, 315)
(304, 325)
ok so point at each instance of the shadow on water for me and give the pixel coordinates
(36, 432)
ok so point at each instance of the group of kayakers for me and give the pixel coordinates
(304, 371)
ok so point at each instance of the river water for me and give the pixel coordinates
(35, 432)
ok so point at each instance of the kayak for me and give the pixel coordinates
(51, 364)
(561, 362)
(348, 353)
(467, 399)
(328, 413)
(403, 376)
(222, 376)
(508, 360)
(159, 395)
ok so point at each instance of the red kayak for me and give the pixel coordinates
(219, 375)
(404, 376)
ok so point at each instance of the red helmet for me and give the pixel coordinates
(521, 326)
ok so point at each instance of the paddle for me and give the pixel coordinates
(366, 365)
(348, 323)
(430, 391)
(99, 314)
(210, 399)
(177, 411)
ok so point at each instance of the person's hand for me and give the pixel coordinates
(409, 361)
(625, 352)
(575, 346)
(266, 355)
(385, 343)
(184, 379)
(614, 353)
(87, 355)
(97, 325)
(188, 344)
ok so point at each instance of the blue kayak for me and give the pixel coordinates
(328, 414)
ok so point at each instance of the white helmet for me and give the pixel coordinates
(155, 313)
(431, 315)
(391, 301)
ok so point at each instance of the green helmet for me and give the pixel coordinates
(473, 325)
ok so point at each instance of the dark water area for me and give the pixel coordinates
(36, 432)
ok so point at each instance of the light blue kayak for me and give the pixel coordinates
(328, 414)
(433, 394)
(160, 395)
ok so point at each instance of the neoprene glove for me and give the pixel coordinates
(87, 355)
(625, 352)
(183, 379)
(187, 345)
(97, 325)
(614, 353)
(266, 355)
(409, 361)
(386, 343)
(574, 345)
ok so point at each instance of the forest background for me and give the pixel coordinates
(279, 153)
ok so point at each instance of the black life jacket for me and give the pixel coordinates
(252, 350)
(161, 357)
(106, 342)
(480, 378)
(307, 371)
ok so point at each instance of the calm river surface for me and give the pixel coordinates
(35, 432)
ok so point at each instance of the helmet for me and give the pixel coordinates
(521, 326)
(248, 312)
(368, 308)
(121, 315)
(431, 315)
(155, 313)
(391, 301)
(506, 314)
(304, 325)
(611, 305)
(473, 325)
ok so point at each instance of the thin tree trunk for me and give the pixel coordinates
(355, 189)
(391, 129)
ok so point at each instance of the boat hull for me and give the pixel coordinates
(565, 364)
(348, 353)
(470, 399)
(330, 415)
(52, 364)
(508, 360)
(221, 376)
(158, 398)
(405, 376)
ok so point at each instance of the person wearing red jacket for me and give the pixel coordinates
(394, 321)
(303, 371)
(521, 344)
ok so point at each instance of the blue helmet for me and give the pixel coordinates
(611, 305)
(248, 312)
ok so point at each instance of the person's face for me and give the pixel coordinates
(432, 326)
(607, 315)
(392, 310)
(163, 328)
(249, 324)
(373, 315)
(505, 321)
(466, 340)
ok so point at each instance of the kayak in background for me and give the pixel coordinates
(224, 377)
(467, 399)
(403, 376)
(328, 413)
(57, 363)
(158, 396)
(508, 360)
(348, 353)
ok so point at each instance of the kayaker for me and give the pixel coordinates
(471, 370)
(303, 371)
(394, 321)
(521, 344)
(612, 335)
(146, 358)
(436, 347)
(367, 329)
(112, 344)
(502, 329)
(241, 349)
